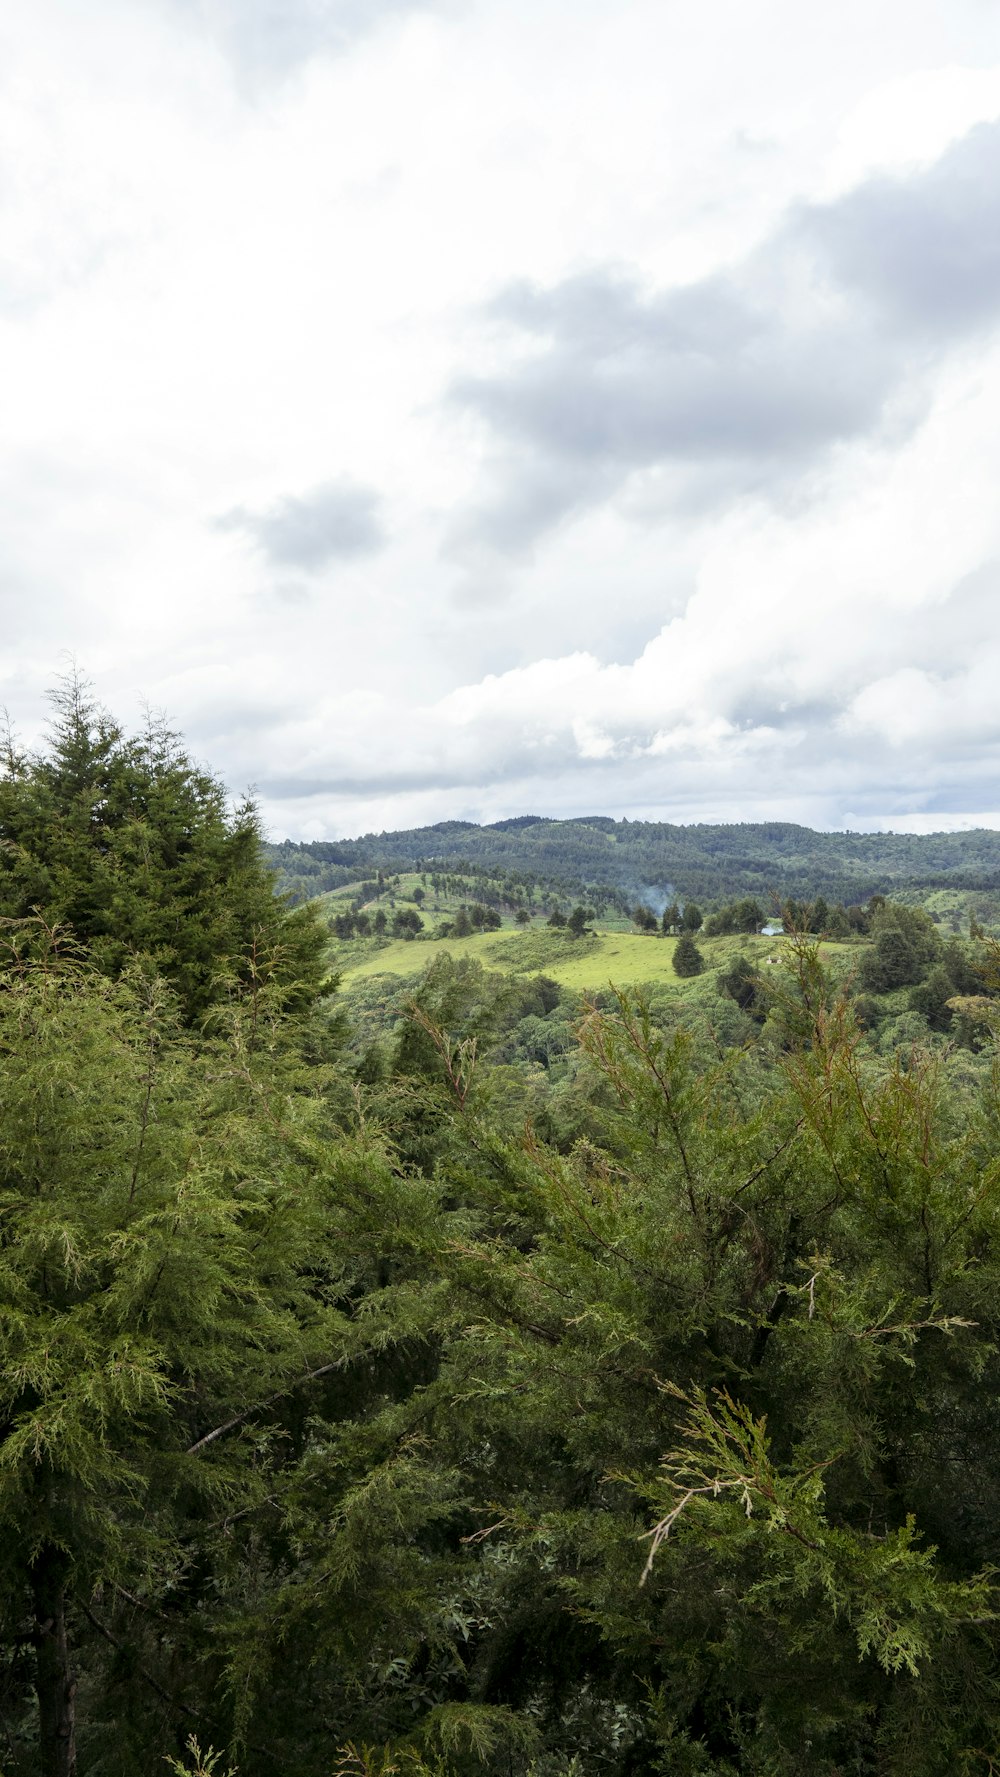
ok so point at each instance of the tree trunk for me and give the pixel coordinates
(55, 1687)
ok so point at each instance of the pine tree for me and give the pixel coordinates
(687, 958)
(133, 848)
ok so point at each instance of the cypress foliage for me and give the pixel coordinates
(131, 847)
(728, 1417)
(156, 1223)
(351, 1427)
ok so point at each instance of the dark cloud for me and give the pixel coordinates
(709, 375)
(537, 493)
(270, 38)
(308, 531)
(925, 249)
(739, 383)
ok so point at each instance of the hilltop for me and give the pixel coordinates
(709, 863)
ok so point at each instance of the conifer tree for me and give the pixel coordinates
(687, 958)
(735, 1344)
(161, 1224)
(188, 1240)
(128, 844)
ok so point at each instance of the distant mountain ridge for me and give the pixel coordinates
(703, 861)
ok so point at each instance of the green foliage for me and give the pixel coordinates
(742, 983)
(124, 842)
(534, 1389)
(163, 1216)
(885, 1589)
(683, 1204)
(203, 1764)
(461, 999)
(745, 916)
(406, 923)
(713, 864)
(645, 920)
(906, 943)
(687, 958)
(931, 999)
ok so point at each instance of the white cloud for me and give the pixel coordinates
(253, 295)
(909, 120)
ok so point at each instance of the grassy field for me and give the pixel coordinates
(612, 953)
(584, 965)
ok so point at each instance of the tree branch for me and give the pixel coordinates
(262, 1406)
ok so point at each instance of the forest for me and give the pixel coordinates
(700, 861)
(467, 1368)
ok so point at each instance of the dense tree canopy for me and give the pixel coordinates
(406, 1409)
(714, 864)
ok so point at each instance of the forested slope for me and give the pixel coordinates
(707, 863)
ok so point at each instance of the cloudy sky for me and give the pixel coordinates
(474, 407)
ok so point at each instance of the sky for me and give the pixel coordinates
(464, 408)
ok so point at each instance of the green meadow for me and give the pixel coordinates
(610, 953)
(584, 965)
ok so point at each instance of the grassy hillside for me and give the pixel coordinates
(379, 963)
(584, 965)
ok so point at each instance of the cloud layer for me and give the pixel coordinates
(740, 383)
(697, 726)
(309, 531)
(447, 410)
